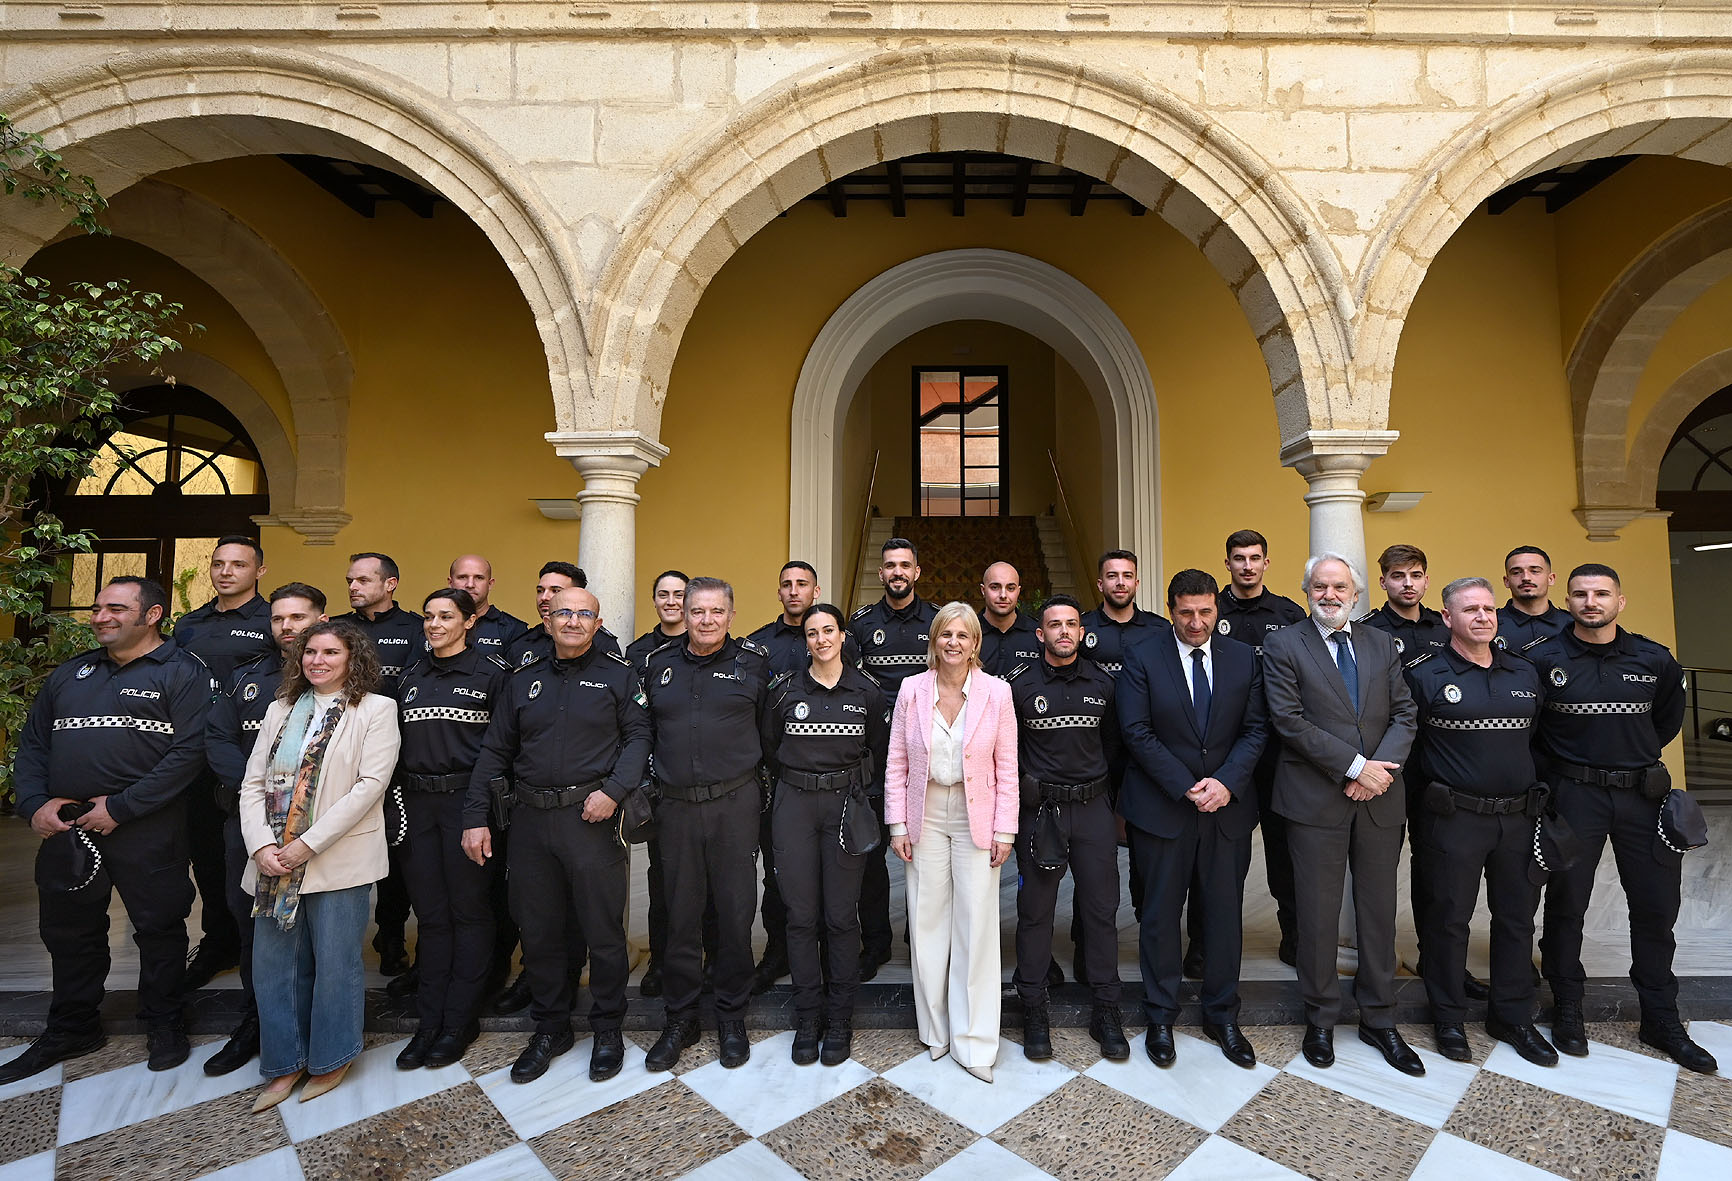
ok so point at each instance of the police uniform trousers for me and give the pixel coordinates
(1092, 834)
(710, 852)
(1277, 857)
(1651, 875)
(656, 883)
(774, 910)
(146, 861)
(564, 868)
(1451, 853)
(1322, 855)
(391, 905)
(505, 933)
(453, 911)
(240, 903)
(875, 933)
(1218, 862)
(1419, 875)
(822, 881)
(207, 847)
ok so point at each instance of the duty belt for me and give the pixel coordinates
(548, 798)
(703, 793)
(827, 780)
(1489, 805)
(1068, 793)
(457, 781)
(1599, 777)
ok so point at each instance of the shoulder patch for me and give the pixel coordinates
(875, 681)
(496, 661)
(1534, 643)
(660, 648)
(1365, 617)
(751, 645)
(530, 660)
(781, 678)
(618, 659)
(861, 611)
(1420, 659)
(1017, 672)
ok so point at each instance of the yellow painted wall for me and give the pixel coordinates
(1700, 331)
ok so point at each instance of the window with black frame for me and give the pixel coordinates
(961, 434)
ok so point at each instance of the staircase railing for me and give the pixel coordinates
(1072, 536)
(861, 536)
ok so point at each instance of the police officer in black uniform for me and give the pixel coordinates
(231, 729)
(230, 630)
(1067, 739)
(819, 732)
(444, 704)
(893, 635)
(707, 694)
(495, 630)
(1529, 616)
(668, 597)
(553, 577)
(1613, 700)
(113, 741)
(1008, 638)
(1249, 611)
(1474, 766)
(573, 735)
(1417, 628)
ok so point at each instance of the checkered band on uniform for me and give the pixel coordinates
(446, 713)
(1480, 723)
(114, 722)
(846, 729)
(254, 724)
(1112, 667)
(919, 658)
(1601, 707)
(1064, 722)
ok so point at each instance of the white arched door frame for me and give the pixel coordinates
(977, 284)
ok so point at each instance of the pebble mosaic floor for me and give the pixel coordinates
(891, 1113)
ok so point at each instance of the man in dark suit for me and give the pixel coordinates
(1191, 715)
(1341, 707)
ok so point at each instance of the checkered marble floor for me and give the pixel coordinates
(892, 1112)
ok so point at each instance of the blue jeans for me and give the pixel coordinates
(311, 1020)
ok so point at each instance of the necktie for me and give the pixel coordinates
(1348, 666)
(1200, 690)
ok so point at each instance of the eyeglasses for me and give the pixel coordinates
(568, 613)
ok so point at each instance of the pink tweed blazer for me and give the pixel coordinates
(989, 774)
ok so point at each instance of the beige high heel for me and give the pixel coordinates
(983, 1073)
(278, 1090)
(319, 1084)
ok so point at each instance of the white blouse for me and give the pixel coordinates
(944, 764)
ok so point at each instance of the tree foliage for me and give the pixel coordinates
(56, 408)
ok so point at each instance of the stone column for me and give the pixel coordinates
(1332, 462)
(611, 463)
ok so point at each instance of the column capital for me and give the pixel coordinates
(1603, 521)
(319, 525)
(1335, 452)
(618, 453)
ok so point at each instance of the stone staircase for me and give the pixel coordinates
(954, 551)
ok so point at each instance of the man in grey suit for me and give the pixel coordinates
(1339, 702)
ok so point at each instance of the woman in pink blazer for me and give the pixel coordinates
(950, 799)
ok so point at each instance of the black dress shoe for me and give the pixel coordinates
(1475, 988)
(1524, 1040)
(1319, 1046)
(414, 1055)
(838, 1044)
(871, 959)
(1159, 1043)
(48, 1049)
(539, 1054)
(735, 1045)
(1234, 1047)
(205, 964)
(1036, 1034)
(1108, 1030)
(1054, 974)
(606, 1055)
(806, 1037)
(393, 956)
(651, 984)
(167, 1047)
(239, 1050)
(1668, 1037)
(1288, 952)
(516, 996)
(1452, 1042)
(451, 1045)
(675, 1038)
(405, 985)
(1395, 1051)
(1193, 966)
(1569, 1032)
(770, 969)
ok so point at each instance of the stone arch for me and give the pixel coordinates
(835, 120)
(976, 284)
(1694, 386)
(143, 113)
(1675, 104)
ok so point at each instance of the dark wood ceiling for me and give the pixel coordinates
(960, 179)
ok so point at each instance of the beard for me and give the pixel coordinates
(1331, 615)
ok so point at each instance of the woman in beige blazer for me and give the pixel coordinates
(313, 823)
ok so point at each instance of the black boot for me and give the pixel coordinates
(1569, 1032)
(451, 1045)
(736, 1046)
(771, 968)
(806, 1037)
(1666, 1034)
(405, 985)
(167, 1045)
(1108, 1030)
(678, 1035)
(539, 1054)
(1036, 1034)
(838, 1041)
(414, 1055)
(651, 984)
(242, 1046)
(606, 1055)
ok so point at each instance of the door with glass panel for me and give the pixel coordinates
(961, 435)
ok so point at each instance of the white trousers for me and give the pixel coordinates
(954, 945)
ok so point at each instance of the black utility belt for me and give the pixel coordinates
(456, 781)
(1484, 805)
(826, 780)
(703, 793)
(1066, 793)
(546, 799)
(1599, 777)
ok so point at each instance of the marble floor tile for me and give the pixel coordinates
(984, 1158)
(1326, 1135)
(1685, 1158)
(490, 1051)
(517, 1163)
(1361, 1072)
(417, 1141)
(1202, 1087)
(281, 1165)
(1223, 1160)
(1702, 1105)
(875, 1131)
(185, 1143)
(565, 1093)
(1633, 1084)
(1016, 1085)
(104, 1102)
(1554, 1132)
(769, 1090)
(751, 1161)
(1450, 1158)
(32, 1168)
(29, 1124)
(52, 1077)
(373, 1084)
(1087, 1129)
(123, 1049)
(660, 1132)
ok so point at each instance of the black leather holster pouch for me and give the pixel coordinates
(1656, 782)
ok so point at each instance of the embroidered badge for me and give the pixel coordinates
(802, 711)
(1401, 647)
(878, 636)
(1225, 627)
(409, 697)
(667, 675)
(1452, 694)
(527, 657)
(86, 670)
(535, 690)
(1090, 640)
(1040, 705)
(251, 692)
(1559, 677)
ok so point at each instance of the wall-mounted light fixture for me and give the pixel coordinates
(1392, 502)
(1717, 545)
(559, 509)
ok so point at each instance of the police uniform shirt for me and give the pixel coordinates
(444, 704)
(236, 714)
(1105, 640)
(893, 642)
(1475, 724)
(495, 631)
(1610, 706)
(786, 645)
(705, 711)
(817, 729)
(134, 733)
(563, 723)
(1413, 637)
(1067, 729)
(1516, 629)
(1002, 652)
(536, 644)
(225, 640)
(398, 639)
(1250, 620)
(639, 649)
